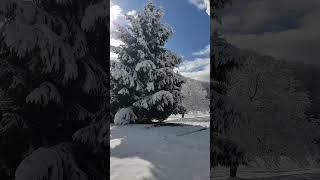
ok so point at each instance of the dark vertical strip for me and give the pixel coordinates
(107, 59)
(108, 66)
(211, 85)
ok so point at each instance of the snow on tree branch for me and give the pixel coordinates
(52, 163)
(43, 94)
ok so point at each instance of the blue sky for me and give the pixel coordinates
(191, 24)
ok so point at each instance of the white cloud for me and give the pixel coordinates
(132, 13)
(115, 14)
(202, 4)
(198, 69)
(194, 64)
(203, 52)
(117, 17)
(207, 2)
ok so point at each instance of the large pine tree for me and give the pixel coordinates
(144, 85)
(54, 89)
(224, 150)
(257, 109)
(274, 103)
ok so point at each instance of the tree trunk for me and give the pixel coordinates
(233, 170)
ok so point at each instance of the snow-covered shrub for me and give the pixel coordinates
(143, 77)
(124, 116)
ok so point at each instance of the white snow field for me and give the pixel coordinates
(178, 150)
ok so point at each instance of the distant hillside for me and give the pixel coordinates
(205, 85)
(308, 74)
(195, 95)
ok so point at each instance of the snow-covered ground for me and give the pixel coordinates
(286, 171)
(194, 118)
(306, 174)
(150, 152)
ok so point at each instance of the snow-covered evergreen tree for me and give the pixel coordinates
(259, 104)
(223, 114)
(224, 58)
(143, 82)
(274, 105)
(228, 153)
(53, 64)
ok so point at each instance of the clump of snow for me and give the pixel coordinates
(124, 91)
(145, 66)
(150, 86)
(124, 116)
(135, 165)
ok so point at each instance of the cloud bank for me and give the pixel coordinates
(284, 29)
(202, 5)
(199, 67)
(116, 17)
(203, 52)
